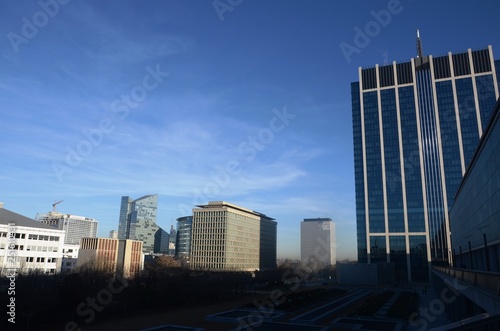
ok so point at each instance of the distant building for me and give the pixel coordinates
(416, 125)
(229, 237)
(138, 222)
(75, 227)
(183, 241)
(27, 245)
(70, 257)
(121, 256)
(172, 241)
(475, 215)
(317, 241)
(162, 241)
(113, 234)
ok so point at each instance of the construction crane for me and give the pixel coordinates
(55, 204)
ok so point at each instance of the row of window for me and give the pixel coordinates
(32, 248)
(43, 237)
(13, 235)
(40, 259)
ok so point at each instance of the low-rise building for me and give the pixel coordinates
(70, 257)
(27, 245)
(123, 256)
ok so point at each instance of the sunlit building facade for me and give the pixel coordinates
(232, 238)
(121, 256)
(416, 125)
(28, 246)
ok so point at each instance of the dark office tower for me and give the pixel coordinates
(161, 241)
(126, 204)
(416, 125)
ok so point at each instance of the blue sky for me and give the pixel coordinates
(248, 102)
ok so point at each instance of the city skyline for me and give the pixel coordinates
(250, 105)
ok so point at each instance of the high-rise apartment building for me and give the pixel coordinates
(138, 221)
(229, 237)
(317, 241)
(75, 227)
(416, 125)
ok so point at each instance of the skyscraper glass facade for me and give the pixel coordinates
(183, 242)
(138, 221)
(416, 125)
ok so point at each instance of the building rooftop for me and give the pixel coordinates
(224, 204)
(7, 216)
(319, 219)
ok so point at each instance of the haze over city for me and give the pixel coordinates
(194, 101)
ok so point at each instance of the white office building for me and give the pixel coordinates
(317, 241)
(70, 257)
(75, 227)
(27, 245)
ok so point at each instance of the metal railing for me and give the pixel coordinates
(487, 281)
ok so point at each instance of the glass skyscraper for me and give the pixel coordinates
(416, 125)
(183, 242)
(138, 221)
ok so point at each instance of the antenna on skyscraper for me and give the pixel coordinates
(420, 52)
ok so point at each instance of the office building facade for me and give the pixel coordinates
(75, 227)
(138, 221)
(122, 256)
(317, 241)
(416, 125)
(232, 238)
(27, 245)
(475, 215)
(70, 257)
(162, 241)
